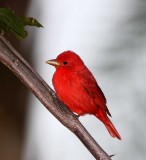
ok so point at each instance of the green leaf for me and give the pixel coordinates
(30, 21)
(10, 23)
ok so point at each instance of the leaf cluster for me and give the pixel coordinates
(12, 24)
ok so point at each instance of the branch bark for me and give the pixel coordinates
(22, 69)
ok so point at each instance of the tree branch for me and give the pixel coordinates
(20, 67)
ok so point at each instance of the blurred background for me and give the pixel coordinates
(110, 37)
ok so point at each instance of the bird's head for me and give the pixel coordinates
(67, 60)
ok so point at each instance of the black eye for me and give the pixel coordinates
(65, 63)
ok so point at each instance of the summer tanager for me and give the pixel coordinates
(78, 90)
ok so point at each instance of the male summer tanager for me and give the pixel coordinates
(78, 90)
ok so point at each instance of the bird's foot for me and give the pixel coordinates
(77, 115)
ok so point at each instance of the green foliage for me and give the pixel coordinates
(31, 21)
(11, 23)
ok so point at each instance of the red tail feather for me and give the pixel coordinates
(112, 130)
(108, 124)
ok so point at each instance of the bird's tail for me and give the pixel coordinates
(108, 124)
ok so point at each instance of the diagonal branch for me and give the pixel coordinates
(22, 69)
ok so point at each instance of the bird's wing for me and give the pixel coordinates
(93, 90)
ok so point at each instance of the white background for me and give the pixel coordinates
(112, 45)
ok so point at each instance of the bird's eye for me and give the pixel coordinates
(65, 63)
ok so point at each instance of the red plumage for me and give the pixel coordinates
(77, 88)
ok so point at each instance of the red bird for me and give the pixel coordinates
(77, 88)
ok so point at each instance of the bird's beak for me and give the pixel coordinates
(53, 62)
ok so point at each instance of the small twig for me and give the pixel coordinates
(20, 67)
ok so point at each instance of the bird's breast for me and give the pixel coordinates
(70, 89)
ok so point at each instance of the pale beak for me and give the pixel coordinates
(53, 62)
